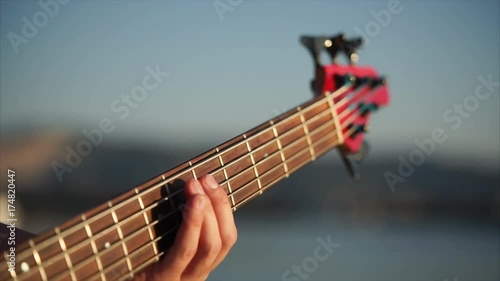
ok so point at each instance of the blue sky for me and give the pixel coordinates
(230, 73)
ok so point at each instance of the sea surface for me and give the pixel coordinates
(432, 250)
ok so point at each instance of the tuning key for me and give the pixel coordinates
(378, 82)
(361, 128)
(365, 108)
(361, 82)
(351, 160)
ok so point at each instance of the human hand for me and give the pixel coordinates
(204, 238)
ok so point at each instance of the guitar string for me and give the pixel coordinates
(114, 264)
(150, 243)
(310, 120)
(101, 233)
(293, 115)
(76, 247)
(298, 166)
(40, 245)
(157, 256)
(163, 182)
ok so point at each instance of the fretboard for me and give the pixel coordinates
(124, 235)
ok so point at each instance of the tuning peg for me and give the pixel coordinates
(362, 81)
(345, 80)
(315, 45)
(378, 82)
(350, 49)
(359, 129)
(365, 108)
(334, 46)
(352, 160)
(352, 166)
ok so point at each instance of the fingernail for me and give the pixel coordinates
(211, 182)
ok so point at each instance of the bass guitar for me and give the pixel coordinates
(122, 236)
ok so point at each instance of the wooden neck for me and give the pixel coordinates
(122, 236)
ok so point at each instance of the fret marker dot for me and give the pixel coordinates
(266, 155)
(25, 267)
(107, 245)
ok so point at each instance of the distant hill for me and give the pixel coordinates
(318, 187)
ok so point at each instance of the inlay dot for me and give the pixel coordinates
(107, 245)
(265, 155)
(25, 267)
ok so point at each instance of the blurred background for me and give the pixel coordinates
(66, 66)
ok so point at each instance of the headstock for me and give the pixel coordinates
(357, 91)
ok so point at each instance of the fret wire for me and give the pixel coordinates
(295, 168)
(335, 118)
(316, 130)
(306, 132)
(120, 234)
(324, 125)
(256, 172)
(146, 220)
(38, 261)
(234, 161)
(221, 163)
(229, 188)
(192, 170)
(278, 142)
(256, 193)
(246, 199)
(156, 257)
(147, 244)
(62, 243)
(270, 184)
(170, 198)
(264, 145)
(153, 223)
(265, 187)
(154, 205)
(109, 229)
(73, 228)
(94, 247)
(163, 176)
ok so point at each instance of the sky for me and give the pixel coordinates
(233, 64)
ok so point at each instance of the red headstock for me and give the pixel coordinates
(356, 91)
(366, 92)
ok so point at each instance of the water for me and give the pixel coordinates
(433, 250)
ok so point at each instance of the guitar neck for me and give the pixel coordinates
(126, 234)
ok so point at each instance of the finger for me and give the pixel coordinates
(193, 187)
(186, 242)
(208, 248)
(223, 214)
